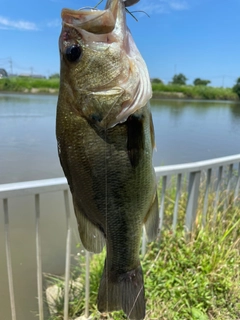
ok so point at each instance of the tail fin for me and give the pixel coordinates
(123, 292)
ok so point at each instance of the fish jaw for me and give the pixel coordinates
(122, 85)
(98, 21)
(99, 26)
(93, 21)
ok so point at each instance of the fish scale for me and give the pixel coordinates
(106, 138)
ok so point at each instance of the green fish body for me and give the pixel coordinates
(105, 141)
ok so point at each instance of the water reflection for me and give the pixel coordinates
(28, 144)
(235, 109)
(189, 130)
(186, 130)
(235, 119)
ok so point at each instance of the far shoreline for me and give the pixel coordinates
(31, 85)
(156, 94)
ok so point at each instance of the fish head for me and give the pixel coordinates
(103, 75)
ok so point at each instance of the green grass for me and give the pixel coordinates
(19, 84)
(194, 92)
(194, 279)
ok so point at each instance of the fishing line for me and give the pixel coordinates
(141, 12)
(147, 274)
(92, 8)
(98, 3)
(106, 212)
(135, 301)
(131, 13)
(83, 8)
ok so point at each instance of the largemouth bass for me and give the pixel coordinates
(105, 141)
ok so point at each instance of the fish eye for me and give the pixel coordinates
(73, 53)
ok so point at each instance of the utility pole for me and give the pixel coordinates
(223, 81)
(31, 71)
(11, 65)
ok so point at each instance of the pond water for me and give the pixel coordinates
(185, 131)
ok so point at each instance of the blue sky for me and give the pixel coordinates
(199, 38)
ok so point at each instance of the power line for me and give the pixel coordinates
(11, 65)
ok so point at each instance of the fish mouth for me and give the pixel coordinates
(93, 20)
(103, 30)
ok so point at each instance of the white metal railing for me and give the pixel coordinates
(230, 166)
(194, 170)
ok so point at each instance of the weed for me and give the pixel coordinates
(197, 279)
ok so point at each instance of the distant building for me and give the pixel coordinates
(3, 73)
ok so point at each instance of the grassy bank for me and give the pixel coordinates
(193, 92)
(31, 85)
(197, 279)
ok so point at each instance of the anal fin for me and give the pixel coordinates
(152, 220)
(91, 236)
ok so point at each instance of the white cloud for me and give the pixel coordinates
(6, 23)
(178, 5)
(151, 8)
(161, 6)
(54, 23)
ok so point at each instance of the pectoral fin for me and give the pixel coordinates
(152, 220)
(135, 138)
(91, 236)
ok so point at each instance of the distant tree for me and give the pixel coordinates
(156, 80)
(201, 82)
(179, 79)
(54, 76)
(236, 87)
